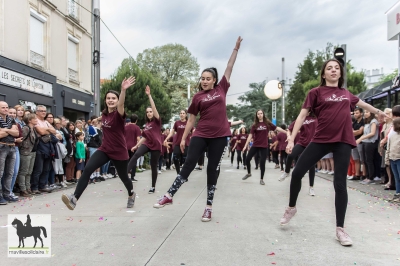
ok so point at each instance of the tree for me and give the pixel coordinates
(388, 77)
(250, 103)
(175, 66)
(308, 76)
(136, 101)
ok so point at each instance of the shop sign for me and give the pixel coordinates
(24, 82)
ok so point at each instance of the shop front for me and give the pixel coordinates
(76, 104)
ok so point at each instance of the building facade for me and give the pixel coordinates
(45, 55)
(372, 77)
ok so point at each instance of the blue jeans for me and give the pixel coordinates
(7, 161)
(395, 165)
(16, 168)
(104, 168)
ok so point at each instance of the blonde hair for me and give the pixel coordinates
(18, 106)
(57, 120)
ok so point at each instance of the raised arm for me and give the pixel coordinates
(152, 104)
(372, 109)
(232, 59)
(126, 83)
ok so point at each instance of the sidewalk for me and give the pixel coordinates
(244, 230)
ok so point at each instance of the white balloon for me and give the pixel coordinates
(273, 89)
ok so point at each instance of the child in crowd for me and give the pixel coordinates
(80, 154)
(393, 156)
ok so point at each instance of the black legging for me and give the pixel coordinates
(311, 155)
(167, 158)
(97, 160)
(232, 155)
(263, 157)
(178, 157)
(275, 157)
(239, 157)
(369, 150)
(283, 158)
(155, 155)
(296, 152)
(197, 146)
(160, 161)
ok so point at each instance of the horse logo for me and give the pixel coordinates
(24, 231)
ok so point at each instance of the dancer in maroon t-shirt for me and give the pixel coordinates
(259, 133)
(239, 145)
(112, 148)
(179, 128)
(282, 136)
(331, 104)
(306, 133)
(211, 131)
(151, 140)
(232, 143)
(132, 136)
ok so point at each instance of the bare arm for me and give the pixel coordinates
(188, 128)
(232, 59)
(171, 133)
(281, 130)
(248, 141)
(236, 123)
(297, 125)
(152, 104)
(3, 134)
(358, 131)
(13, 131)
(138, 144)
(126, 83)
(372, 109)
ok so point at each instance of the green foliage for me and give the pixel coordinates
(388, 77)
(175, 66)
(308, 76)
(136, 100)
(250, 103)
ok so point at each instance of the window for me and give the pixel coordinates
(37, 37)
(73, 8)
(73, 62)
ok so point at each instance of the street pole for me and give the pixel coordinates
(345, 67)
(96, 55)
(283, 90)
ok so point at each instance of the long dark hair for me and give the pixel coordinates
(342, 74)
(245, 130)
(214, 73)
(367, 120)
(265, 119)
(105, 111)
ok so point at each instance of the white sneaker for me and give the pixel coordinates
(108, 176)
(377, 179)
(283, 176)
(63, 184)
(324, 171)
(311, 191)
(142, 169)
(331, 173)
(349, 177)
(159, 172)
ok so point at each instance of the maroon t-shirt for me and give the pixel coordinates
(307, 130)
(282, 141)
(296, 139)
(164, 149)
(211, 104)
(242, 138)
(233, 140)
(132, 132)
(151, 133)
(332, 106)
(114, 144)
(179, 128)
(174, 141)
(273, 141)
(260, 134)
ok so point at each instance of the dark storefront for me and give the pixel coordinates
(27, 86)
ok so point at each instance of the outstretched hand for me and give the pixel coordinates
(126, 83)
(147, 90)
(238, 42)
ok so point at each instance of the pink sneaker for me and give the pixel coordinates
(206, 215)
(343, 237)
(162, 202)
(288, 215)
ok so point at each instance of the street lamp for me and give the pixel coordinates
(273, 90)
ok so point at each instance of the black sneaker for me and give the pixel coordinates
(198, 169)
(237, 167)
(256, 168)
(133, 180)
(101, 178)
(152, 190)
(2, 201)
(92, 181)
(69, 201)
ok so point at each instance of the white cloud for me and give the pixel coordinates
(271, 30)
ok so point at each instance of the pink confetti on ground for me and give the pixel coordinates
(101, 218)
(271, 254)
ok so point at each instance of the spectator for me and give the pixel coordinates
(357, 153)
(393, 156)
(20, 115)
(94, 142)
(79, 127)
(387, 127)
(282, 146)
(70, 167)
(43, 158)
(12, 112)
(58, 167)
(27, 154)
(395, 114)
(8, 133)
(370, 146)
(80, 154)
(52, 176)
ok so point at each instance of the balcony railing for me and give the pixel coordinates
(37, 59)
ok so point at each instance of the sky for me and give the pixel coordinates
(270, 30)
